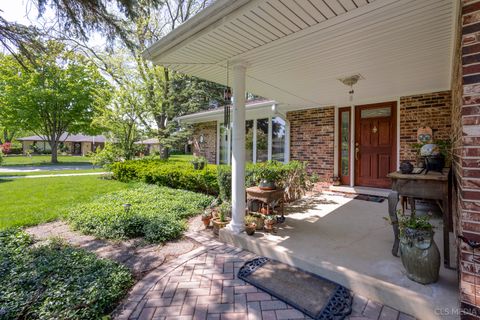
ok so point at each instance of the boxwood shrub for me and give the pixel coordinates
(173, 174)
(156, 213)
(56, 281)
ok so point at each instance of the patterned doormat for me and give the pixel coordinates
(365, 197)
(311, 294)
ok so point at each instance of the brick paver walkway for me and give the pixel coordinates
(203, 284)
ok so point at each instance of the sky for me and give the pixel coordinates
(21, 11)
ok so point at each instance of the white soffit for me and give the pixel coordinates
(295, 50)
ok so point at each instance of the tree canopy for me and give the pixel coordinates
(55, 95)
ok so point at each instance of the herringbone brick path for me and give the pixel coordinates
(203, 284)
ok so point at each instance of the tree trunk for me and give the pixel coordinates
(54, 147)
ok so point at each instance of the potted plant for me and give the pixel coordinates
(268, 174)
(199, 163)
(418, 250)
(206, 217)
(222, 219)
(250, 224)
(269, 222)
(258, 220)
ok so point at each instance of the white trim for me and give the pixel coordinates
(218, 143)
(336, 129)
(287, 140)
(254, 153)
(352, 146)
(269, 138)
(398, 133)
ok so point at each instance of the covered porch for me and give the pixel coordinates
(297, 53)
(349, 241)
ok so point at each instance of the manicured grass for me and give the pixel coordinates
(48, 172)
(181, 157)
(27, 202)
(43, 160)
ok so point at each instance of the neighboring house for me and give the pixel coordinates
(74, 144)
(351, 82)
(151, 145)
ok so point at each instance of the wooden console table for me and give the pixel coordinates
(267, 197)
(430, 186)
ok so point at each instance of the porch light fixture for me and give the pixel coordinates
(351, 81)
(202, 139)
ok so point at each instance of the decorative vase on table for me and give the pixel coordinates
(267, 185)
(420, 255)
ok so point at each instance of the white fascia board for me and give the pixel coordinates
(195, 26)
(252, 109)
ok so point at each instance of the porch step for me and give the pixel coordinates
(362, 190)
(408, 299)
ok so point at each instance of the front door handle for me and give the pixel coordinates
(357, 149)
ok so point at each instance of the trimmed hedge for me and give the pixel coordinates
(56, 281)
(157, 213)
(173, 174)
(216, 180)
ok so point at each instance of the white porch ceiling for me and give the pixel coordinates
(295, 50)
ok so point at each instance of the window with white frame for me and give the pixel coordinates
(265, 139)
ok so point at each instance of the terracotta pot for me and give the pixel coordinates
(206, 221)
(269, 224)
(264, 210)
(217, 225)
(250, 228)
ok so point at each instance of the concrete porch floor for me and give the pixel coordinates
(348, 241)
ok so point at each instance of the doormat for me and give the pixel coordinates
(369, 198)
(311, 294)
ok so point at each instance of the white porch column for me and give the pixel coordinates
(237, 224)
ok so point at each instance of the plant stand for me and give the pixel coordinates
(268, 197)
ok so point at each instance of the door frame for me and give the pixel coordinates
(353, 127)
(339, 144)
(394, 128)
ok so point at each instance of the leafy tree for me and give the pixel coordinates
(54, 96)
(121, 118)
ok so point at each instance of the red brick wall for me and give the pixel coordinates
(208, 149)
(466, 123)
(432, 110)
(312, 139)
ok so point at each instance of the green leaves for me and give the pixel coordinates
(156, 213)
(56, 281)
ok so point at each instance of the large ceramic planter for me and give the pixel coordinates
(420, 256)
(217, 225)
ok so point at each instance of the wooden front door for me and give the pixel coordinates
(375, 144)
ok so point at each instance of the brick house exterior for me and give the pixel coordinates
(208, 148)
(466, 160)
(312, 139)
(433, 110)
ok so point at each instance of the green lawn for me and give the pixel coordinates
(41, 160)
(28, 202)
(48, 172)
